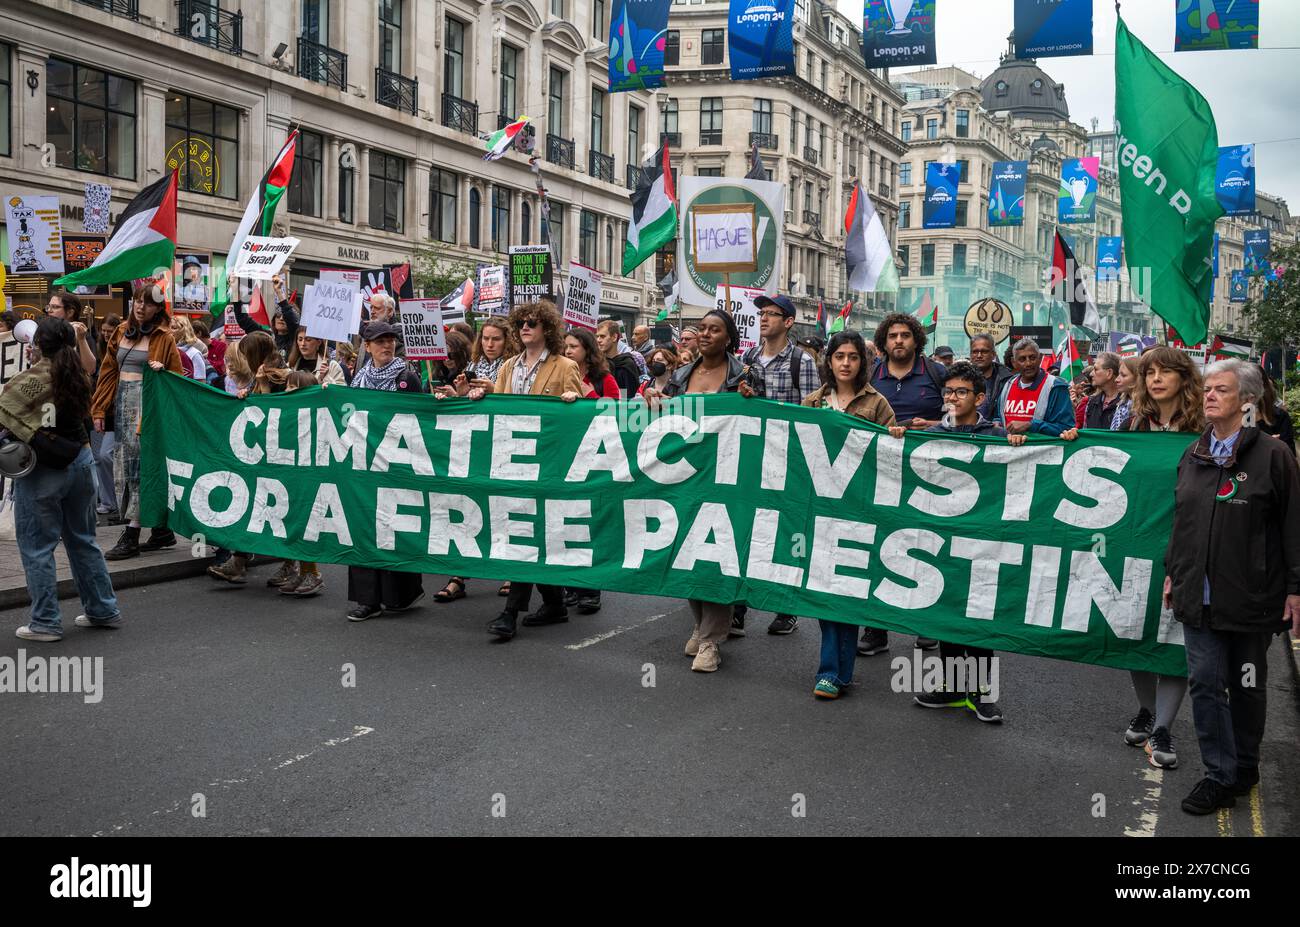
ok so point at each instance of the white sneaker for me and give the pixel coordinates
(28, 634)
(84, 622)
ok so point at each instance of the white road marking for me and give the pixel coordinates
(225, 784)
(619, 630)
(1148, 803)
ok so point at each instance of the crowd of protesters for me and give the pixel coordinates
(1233, 562)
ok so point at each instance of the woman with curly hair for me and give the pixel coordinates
(144, 338)
(580, 347)
(494, 343)
(540, 370)
(1166, 397)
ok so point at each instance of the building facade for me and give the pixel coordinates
(391, 98)
(1017, 113)
(832, 123)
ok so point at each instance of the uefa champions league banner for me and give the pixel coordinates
(896, 33)
(1234, 180)
(1007, 197)
(1077, 200)
(1238, 288)
(760, 38)
(1257, 247)
(941, 195)
(1208, 25)
(1054, 548)
(638, 34)
(1053, 28)
(1110, 256)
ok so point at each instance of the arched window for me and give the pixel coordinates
(475, 204)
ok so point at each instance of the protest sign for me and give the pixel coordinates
(333, 275)
(261, 258)
(491, 289)
(456, 303)
(1129, 344)
(531, 274)
(743, 312)
(95, 210)
(192, 270)
(697, 286)
(723, 237)
(79, 252)
(35, 238)
(962, 538)
(582, 302)
(331, 310)
(422, 329)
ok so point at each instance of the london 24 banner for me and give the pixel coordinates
(760, 38)
(1077, 199)
(1007, 194)
(716, 497)
(1234, 180)
(1238, 288)
(1257, 246)
(941, 195)
(1053, 28)
(638, 34)
(1110, 255)
(1207, 25)
(898, 32)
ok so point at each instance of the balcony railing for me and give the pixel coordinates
(600, 166)
(812, 218)
(633, 175)
(810, 155)
(674, 139)
(503, 120)
(208, 24)
(885, 190)
(458, 114)
(764, 140)
(322, 64)
(128, 8)
(853, 169)
(392, 89)
(710, 136)
(560, 151)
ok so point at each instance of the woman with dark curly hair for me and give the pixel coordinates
(540, 370)
(57, 499)
(580, 347)
(144, 338)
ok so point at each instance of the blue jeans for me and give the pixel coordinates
(49, 504)
(839, 652)
(1228, 717)
(101, 445)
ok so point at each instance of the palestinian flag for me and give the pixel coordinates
(866, 247)
(502, 140)
(1225, 347)
(927, 314)
(1067, 276)
(1067, 358)
(821, 319)
(259, 214)
(654, 211)
(671, 289)
(837, 325)
(143, 241)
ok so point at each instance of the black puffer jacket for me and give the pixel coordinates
(736, 372)
(1238, 524)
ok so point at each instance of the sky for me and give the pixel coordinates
(1252, 93)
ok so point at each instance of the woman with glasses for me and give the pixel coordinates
(540, 370)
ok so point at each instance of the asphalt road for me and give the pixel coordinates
(237, 695)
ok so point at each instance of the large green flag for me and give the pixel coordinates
(1167, 154)
(1053, 548)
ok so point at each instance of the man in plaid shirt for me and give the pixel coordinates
(789, 375)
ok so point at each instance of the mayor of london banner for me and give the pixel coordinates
(1053, 548)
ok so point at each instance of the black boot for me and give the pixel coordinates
(158, 539)
(504, 626)
(128, 545)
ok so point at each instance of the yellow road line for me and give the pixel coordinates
(1225, 822)
(1256, 812)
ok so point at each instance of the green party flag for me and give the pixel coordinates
(1167, 153)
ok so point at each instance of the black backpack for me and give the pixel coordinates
(625, 373)
(796, 362)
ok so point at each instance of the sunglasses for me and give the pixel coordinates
(528, 323)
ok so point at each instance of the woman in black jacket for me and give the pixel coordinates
(1232, 577)
(284, 326)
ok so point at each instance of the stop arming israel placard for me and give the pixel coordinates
(582, 302)
(743, 312)
(261, 258)
(1053, 549)
(422, 329)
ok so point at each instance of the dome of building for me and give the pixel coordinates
(1022, 88)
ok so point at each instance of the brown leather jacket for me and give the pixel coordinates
(162, 348)
(867, 404)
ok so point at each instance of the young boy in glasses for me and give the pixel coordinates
(963, 393)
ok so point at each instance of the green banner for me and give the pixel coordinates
(1053, 548)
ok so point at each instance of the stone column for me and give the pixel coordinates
(361, 185)
(418, 201)
(330, 180)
